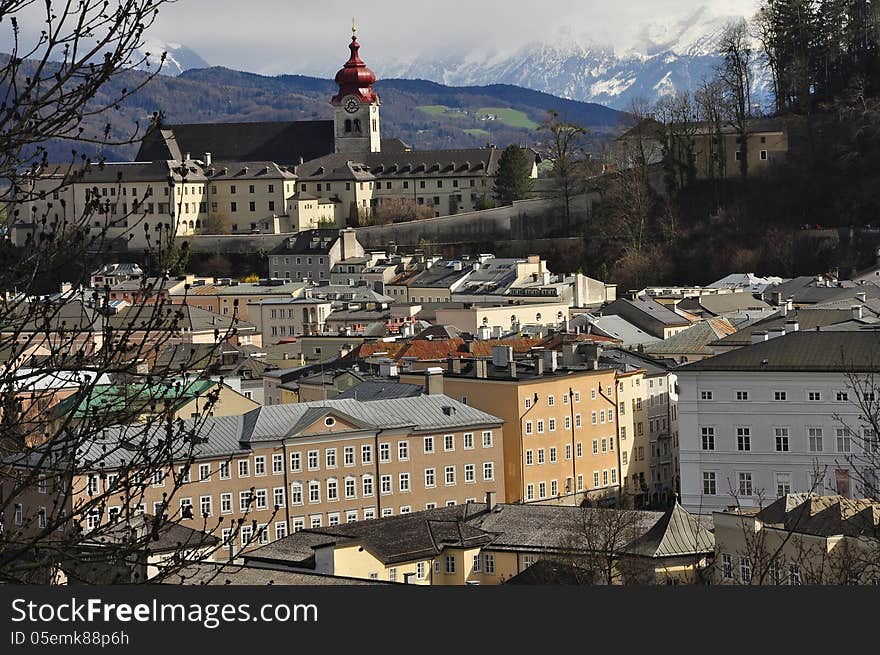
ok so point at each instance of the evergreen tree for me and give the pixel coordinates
(514, 178)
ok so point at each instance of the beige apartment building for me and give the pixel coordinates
(799, 539)
(560, 435)
(290, 467)
(280, 318)
(504, 318)
(230, 297)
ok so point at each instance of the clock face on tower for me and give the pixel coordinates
(351, 104)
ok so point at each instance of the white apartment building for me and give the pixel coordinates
(780, 416)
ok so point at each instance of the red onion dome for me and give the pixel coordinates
(354, 78)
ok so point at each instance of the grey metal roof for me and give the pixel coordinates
(617, 327)
(647, 307)
(801, 352)
(403, 537)
(676, 534)
(381, 389)
(807, 319)
(229, 435)
(552, 528)
(277, 141)
(401, 163)
(692, 340)
(724, 303)
(217, 573)
(516, 528)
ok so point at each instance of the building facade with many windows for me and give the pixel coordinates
(781, 416)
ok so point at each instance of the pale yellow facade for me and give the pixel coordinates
(560, 431)
(505, 317)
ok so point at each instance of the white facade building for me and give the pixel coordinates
(777, 417)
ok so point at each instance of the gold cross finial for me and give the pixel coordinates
(354, 28)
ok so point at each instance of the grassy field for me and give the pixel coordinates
(478, 133)
(440, 111)
(511, 117)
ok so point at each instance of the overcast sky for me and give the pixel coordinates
(310, 36)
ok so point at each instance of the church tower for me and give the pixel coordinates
(356, 106)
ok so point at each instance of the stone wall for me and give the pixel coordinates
(524, 219)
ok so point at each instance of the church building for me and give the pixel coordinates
(268, 177)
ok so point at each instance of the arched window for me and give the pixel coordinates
(357, 125)
(513, 318)
(348, 126)
(538, 316)
(191, 225)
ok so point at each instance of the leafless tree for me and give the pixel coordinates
(73, 482)
(567, 144)
(736, 77)
(678, 115)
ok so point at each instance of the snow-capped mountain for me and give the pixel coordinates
(664, 58)
(179, 57)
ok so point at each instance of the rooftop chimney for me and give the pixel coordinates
(434, 381)
(758, 337)
(551, 361)
(502, 355)
(454, 365)
(207, 159)
(792, 326)
(856, 312)
(776, 332)
(861, 296)
(512, 369)
(539, 365)
(481, 368)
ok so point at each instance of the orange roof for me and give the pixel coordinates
(424, 350)
(520, 346)
(392, 348)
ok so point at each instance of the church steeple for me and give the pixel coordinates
(356, 105)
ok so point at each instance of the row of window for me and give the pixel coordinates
(551, 400)
(746, 569)
(742, 395)
(369, 186)
(300, 492)
(781, 439)
(298, 260)
(313, 460)
(744, 484)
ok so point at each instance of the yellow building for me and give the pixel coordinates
(800, 539)
(560, 435)
(489, 544)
